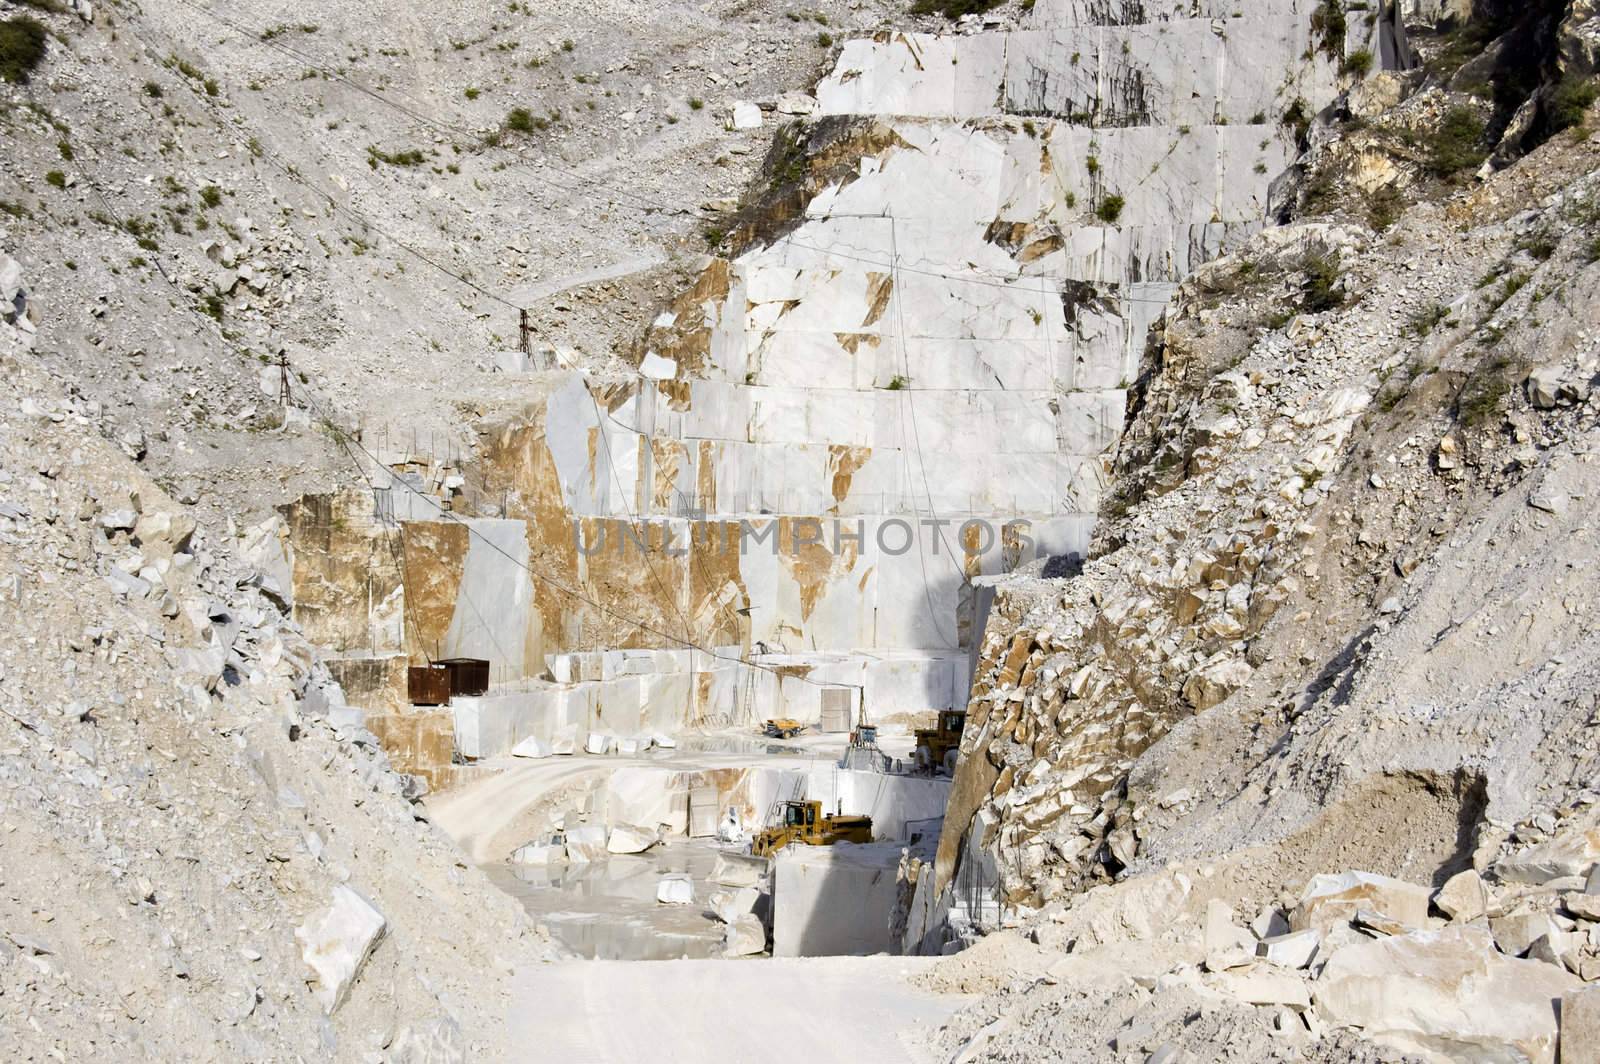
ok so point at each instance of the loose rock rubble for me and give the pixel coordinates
(183, 789)
(1312, 732)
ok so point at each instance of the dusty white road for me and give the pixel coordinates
(787, 1011)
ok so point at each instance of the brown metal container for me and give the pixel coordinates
(468, 676)
(428, 685)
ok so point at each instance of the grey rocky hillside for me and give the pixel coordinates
(197, 191)
(187, 813)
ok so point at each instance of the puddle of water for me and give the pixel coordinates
(607, 909)
(723, 743)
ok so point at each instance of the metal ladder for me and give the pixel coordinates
(749, 696)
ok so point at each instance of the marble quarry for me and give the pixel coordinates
(903, 382)
(674, 798)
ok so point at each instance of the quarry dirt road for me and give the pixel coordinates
(799, 1010)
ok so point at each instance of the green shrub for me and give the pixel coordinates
(1357, 64)
(1110, 209)
(1482, 391)
(404, 157)
(211, 196)
(1298, 118)
(1321, 288)
(1328, 23)
(56, 179)
(1541, 244)
(1570, 100)
(1384, 207)
(953, 9)
(22, 47)
(520, 120)
(1458, 142)
(1423, 321)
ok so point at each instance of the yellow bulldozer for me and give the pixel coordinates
(803, 822)
(937, 746)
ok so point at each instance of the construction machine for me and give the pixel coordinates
(784, 728)
(937, 746)
(802, 821)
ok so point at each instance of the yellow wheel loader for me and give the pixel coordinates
(803, 822)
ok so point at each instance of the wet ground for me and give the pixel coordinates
(607, 909)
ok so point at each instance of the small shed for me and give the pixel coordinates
(468, 676)
(428, 685)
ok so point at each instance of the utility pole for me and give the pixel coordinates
(525, 329)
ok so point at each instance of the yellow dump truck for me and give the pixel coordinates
(936, 745)
(784, 728)
(803, 822)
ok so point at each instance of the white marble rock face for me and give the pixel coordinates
(949, 330)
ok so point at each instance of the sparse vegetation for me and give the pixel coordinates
(1297, 117)
(953, 9)
(520, 120)
(1458, 142)
(898, 383)
(696, 103)
(470, 93)
(1513, 284)
(1320, 292)
(1357, 64)
(1384, 207)
(1109, 209)
(22, 48)
(283, 27)
(1328, 23)
(1540, 243)
(1570, 101)
(404, 157)
(211, 196)
(1423, 321)
(1482, 391)
(56, 179)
